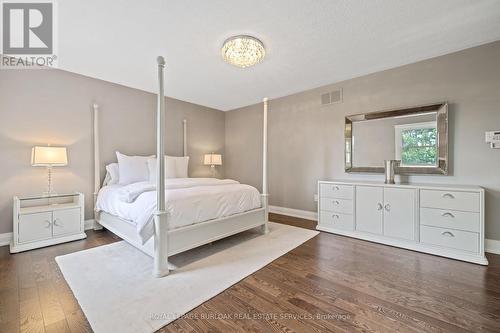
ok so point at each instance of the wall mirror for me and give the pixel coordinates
(416, 136)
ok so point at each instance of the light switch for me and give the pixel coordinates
(493, 138)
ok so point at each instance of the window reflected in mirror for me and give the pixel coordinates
(416, 144)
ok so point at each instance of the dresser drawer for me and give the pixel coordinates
(451, 219)
(463, 201)
(336, 220)
(450, 238)
(336, 191)
(336, 205)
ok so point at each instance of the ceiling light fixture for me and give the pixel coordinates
(243, 51)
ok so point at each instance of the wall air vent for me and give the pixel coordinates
(331, 97)
(325, 99)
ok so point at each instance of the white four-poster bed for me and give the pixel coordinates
(166, 242)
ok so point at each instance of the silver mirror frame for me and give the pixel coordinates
(441, 110)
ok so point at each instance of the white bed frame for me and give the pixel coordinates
(167, 242)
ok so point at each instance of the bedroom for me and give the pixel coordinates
(329, 69)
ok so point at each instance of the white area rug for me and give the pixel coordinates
(115, 288)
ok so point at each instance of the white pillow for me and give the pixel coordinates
(132, 169)
(113, 172)
(170, 168)
(107, 178)
(181, 166)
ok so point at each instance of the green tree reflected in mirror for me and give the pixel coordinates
(419, 146)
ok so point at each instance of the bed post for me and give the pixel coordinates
(184, 137)
(265, 194)
(97, 164)
(161, 217)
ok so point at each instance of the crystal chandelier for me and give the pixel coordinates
(243, 51)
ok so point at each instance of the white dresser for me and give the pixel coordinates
(41, 221)
(445, 220)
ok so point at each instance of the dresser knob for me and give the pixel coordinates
(48, 224)
(448, 214)
(448, 234)
(448, 195)
(387, 207)
(335, 216)
(380, 206)
(335, 202)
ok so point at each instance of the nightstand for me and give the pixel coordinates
(40, 221)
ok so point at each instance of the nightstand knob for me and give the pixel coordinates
(55, 223)
(48, 224)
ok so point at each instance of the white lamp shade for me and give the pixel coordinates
(212, 159)
(49, 156)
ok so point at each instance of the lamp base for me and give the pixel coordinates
(49, 191)
(213, 172)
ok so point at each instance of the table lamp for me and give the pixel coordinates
(49, 157)
(212, 160)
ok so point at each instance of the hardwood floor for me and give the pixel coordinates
(330, 283)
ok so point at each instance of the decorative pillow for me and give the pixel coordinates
(132, 169)
(113, 172)
(170, 168)
(181, 166)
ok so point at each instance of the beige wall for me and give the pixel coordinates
(52, 106)
(306, 139)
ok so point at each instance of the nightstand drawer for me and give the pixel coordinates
(336, 205)
(336, 191)
(66, 222)
(34, 227)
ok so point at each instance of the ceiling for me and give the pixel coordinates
(309, 43)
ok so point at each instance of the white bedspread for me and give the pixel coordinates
(188, 201)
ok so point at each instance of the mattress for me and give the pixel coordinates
(188, 201)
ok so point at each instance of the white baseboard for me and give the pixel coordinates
(89, 224)
(303, 214)
(492, 246)
(5, 238)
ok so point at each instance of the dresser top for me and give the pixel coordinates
(416, 185)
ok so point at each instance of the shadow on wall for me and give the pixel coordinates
(492, 198)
